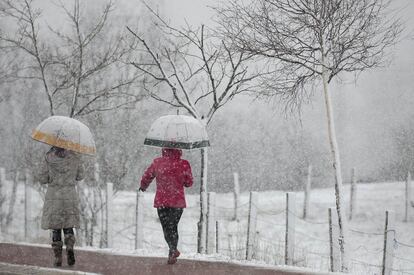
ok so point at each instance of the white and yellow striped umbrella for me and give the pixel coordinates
(67, 133)
(177, 131)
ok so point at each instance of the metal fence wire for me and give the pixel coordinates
(268, 230)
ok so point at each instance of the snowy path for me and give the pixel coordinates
(105, 263)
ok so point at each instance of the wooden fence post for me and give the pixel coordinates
(352, 201)
(211, 222)
(2, 197)
(101, 195)
(408, 199)
(334, 251)
(12, 200)
(290, 228)
(109, 209)
(389, 238)
(27, 204)
(139, 221)
(229, 244)
(102, 239)
(256, 249)
(236, 196)
(307, 193)
(251, 225)
(218, 232)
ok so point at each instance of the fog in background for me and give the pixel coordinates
(270, 149)
(370, 108)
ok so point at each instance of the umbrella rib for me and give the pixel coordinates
(188, 136)
(166, 131)
(60, 131)
(79, 127)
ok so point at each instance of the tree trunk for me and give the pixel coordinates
(203, 207)
(12, 202)
(102, 220)
(93, 223)
(308, 187)
(337, 169)
(236, 196)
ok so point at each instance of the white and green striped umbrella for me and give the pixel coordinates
(177, 131)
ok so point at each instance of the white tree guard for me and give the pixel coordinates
(96, 172)
(109, 219)
(218, 232)
(211, 223)
(202, 224)
(139, 221)
(408, 198)
(334, 250)
(27, 204)
(290, 228)
(2, 184)
(306, 203)
(236, 196)
(202, 230)
(352, 201)
(251, 225)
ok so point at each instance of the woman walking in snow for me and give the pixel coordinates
(61, 208)
(172, 174)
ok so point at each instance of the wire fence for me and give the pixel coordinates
(268, 244)
(402, 264)
(311, 245)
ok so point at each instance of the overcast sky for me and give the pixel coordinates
(366, 109)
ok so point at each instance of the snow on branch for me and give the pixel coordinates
(78, 67)
(349, 35)
(201, 72)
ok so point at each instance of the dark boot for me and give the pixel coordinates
(70, 242)
(172, 256)
(57, 250)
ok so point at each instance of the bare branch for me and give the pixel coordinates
(351, 35)
(206, 72)
(76, 60)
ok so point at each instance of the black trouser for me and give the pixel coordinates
(169, 218)
(57, 234)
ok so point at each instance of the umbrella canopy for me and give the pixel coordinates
(67, 133)
(177, 131)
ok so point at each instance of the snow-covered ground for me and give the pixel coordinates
(311, 250)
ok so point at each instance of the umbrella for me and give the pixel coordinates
(67, 133)
(177, 131)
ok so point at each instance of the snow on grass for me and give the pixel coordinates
(312, 247)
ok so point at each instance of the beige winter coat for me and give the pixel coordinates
(61, 207)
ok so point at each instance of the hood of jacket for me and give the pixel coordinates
(59, 163)
(171, 153)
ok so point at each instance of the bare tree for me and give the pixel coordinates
(81, 70)
(315, 40)
(198, 73)
(401, 160)
(8, 67)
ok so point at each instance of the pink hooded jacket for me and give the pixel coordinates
(172, 174)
